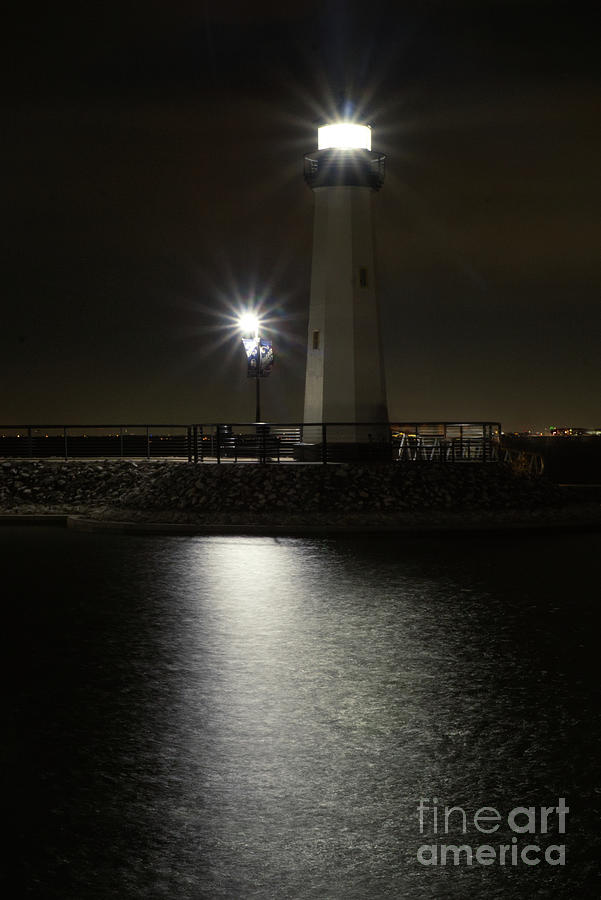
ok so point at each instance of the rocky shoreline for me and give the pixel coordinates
(422, 496)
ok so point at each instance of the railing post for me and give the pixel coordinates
(147, 443)
(218, 427)
(189, 443)
(65, 441)
(121, 441)
(202, 452)
(324, 444)
(29, 442)
(195, 443)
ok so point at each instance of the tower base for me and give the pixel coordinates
(344, 452)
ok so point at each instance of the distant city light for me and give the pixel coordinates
(344, 136)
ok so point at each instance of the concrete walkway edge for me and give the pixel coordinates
(81, 523)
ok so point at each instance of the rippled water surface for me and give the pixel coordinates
(255, 717)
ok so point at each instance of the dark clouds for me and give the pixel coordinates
(152, 170)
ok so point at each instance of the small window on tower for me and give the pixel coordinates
(316, 340)
(363, 277)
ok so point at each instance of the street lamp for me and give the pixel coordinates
(249, 324)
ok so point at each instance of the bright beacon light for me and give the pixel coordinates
(249, 323)
(344, 136)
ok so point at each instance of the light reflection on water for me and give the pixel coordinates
(257, 717)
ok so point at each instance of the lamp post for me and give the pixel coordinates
(249, 323)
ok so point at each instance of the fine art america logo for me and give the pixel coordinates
(531, 828)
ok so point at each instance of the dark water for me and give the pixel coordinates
(252, 717)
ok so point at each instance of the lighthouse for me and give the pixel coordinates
(345, 373)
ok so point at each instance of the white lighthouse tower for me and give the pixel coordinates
(345, 373)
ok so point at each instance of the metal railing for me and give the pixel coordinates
(448, 441)
(335, 166)
(319, 442)
(526, 461)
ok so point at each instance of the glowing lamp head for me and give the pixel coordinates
(344, 136)
(249, 324)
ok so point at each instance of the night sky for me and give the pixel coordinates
(152, 186)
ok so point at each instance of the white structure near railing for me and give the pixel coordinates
(345, 372)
